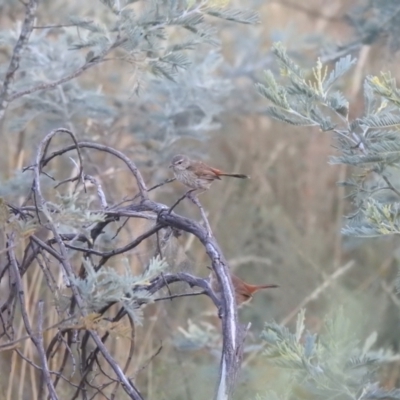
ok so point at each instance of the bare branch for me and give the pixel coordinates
(42, 353)
(45, 145)
(68, 271)
(52, 85)
(233, 334)
(132, 167)
(166, 279)
(37, 338)
(23, 39)
(107, 255)
(176, 296)
(100, 193)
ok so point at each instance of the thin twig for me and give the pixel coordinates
(317, 291)
(196, 201)
(151, 358)
(107, 255)
(51, 85)
(130, 354)
(129, 163)
(42, 353)
(180, 199)
(23, 338)
(174, 296)
(100, 192)
(61, 25)
(23, 39)
(157, 186)
(385, 178)
(37, 338)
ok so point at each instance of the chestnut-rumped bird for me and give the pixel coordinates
(243, 291)
(197, 174)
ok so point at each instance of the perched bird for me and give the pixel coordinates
(243, 291)
(197, 174)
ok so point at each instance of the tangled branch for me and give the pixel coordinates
(59, 247)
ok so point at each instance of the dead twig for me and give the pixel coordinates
(317, 291)
(23, 39)
(37, 338)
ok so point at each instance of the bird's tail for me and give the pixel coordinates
(240, 176)
(256, 288)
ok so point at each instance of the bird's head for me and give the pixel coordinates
(179, 163)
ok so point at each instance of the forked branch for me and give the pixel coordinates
(59, 246)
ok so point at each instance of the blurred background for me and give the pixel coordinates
(282, 226)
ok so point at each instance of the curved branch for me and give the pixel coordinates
(131, 165)
(107, 255)
(233, 333)
(129, 388)
(161, 281)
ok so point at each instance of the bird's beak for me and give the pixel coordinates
(170, 166)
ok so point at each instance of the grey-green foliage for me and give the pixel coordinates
(68, 104)
(372, 21)
(188, 108)
(169, 48)
(195, 104)
(19, 184)
(71, 212)
(304, 98)
(107, 286)
(334, 365)
(371, 142)
(198, 336)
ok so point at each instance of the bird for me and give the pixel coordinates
(243, 291)
(197, 174)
